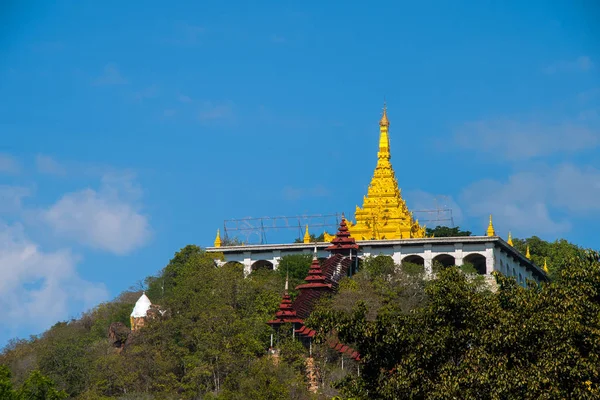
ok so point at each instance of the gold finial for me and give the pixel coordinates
(306, 235)
(509, 241)
(218, 240)
(384, 119)
(545, 267)
(490, 229)
(527, 253)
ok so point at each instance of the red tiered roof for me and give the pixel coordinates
(319, 282)
(286, 313)
(315, 278)
(343, 240)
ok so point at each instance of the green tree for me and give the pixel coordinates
(6, 388)
(378, 266)
(313, 238)
(558, 254)
(231, 241)
(297, 266)
(40, 387)
(445, 231)
(536, 342)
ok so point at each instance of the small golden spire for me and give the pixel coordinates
(218, 240)
(384, 119)
(545, 267)
(306, 235)
(490, 229)
(509, 241)
(527, 253)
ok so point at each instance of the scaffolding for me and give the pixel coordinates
(254, 230)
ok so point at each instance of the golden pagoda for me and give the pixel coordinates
(384, 214)
(218, 239)
(306, 238)
(490, 230)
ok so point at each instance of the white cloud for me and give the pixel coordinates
(515, 140)
(580, 64)
(111, 76)
(107, 219)
(39, 288)
(11, 197)
(9, 164)
(536, 202)
(48, 165)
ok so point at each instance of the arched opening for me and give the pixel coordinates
(232, 264)
(446, 260)
(477, 261)
(262, 264)
(414, 259)
(236, 266)
(380, 265)
(413, 264)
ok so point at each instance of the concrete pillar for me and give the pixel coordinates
(276, 258)
(489, 258)
(275, 262)
(458, 254)
(428, 257)
(247, 263)
(397, 255)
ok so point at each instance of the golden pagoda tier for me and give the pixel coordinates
(384, 214)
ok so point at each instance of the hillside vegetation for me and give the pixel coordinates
(447, 337)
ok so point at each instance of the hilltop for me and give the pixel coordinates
(426, 334)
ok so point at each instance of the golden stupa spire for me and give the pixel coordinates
(490, 229)
(509, 241)
(545, 267)
(384, 119)
(384, 139)
(384, 214)
(527, 253)
(218, 240)
(306, 235)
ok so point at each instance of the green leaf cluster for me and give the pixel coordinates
(35, 387)
(212, 341)
(540, 341)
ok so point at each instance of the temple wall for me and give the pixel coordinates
(495, 252)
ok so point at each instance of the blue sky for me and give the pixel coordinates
(130, 129)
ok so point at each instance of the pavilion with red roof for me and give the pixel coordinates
(321, 280)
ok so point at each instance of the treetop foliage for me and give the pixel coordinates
(445, 231)
(527, 343)
(447, 337)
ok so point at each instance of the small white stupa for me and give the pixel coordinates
(140, 312)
